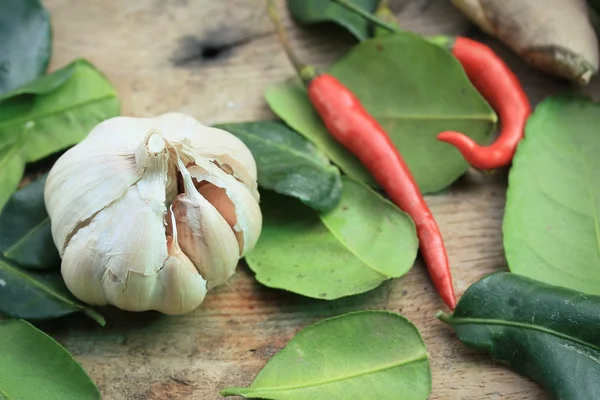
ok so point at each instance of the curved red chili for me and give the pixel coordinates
(353, 127)
(498, 85)
(503, 91)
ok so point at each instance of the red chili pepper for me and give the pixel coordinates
(498, 85)
(503, 91)
(353, 127)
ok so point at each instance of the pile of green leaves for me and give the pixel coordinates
(328, 232)
(336, 218)
(543, 328)
(40, 115)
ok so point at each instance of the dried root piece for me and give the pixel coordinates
(555, 36)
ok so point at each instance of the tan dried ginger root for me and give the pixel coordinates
(555, 36)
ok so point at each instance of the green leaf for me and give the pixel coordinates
(362, 355)
(290, 165)
(595, 5)
(546, 333)
(25, 44)
(37, 296)
(43, 85)
(12, 168)
(415, 89)
(362, 242)
(314, 11)
(48, 115)
(551, 225)
(25, 235)
(35, 366)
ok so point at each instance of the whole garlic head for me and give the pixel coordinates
(150, 213)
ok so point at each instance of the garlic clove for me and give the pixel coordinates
(225, 163)
(183, 288)
(127, 235)
(247, 223)
(209, 143)
(204, 235)
(90, 176)
(218, 198)
(106, 260)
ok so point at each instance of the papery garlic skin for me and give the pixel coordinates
(150, 213)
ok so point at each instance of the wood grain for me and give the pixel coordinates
(152, 52)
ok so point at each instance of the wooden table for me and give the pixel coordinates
(164, 55)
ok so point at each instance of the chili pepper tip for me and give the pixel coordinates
(450, 301)
(474, 153)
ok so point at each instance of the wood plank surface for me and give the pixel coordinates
(164, 55)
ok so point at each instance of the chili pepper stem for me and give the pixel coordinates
(442, 316)
(306, 72)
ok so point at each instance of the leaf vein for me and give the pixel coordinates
(417, 117)
(401, 363)
(31, 232)
(522, 325)
(291, 150)
(593, 203)
(21, 120)
(341, 240)
(37, 284)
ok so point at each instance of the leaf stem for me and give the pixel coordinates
(366, 15)
(305, 72)
(383, 4)
(233, 391)
(442, 316)
(514, 324)
(384, 13)
(440, 40)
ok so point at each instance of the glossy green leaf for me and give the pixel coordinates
(25, 42)
(48, 115)
(551, 226)
(415, 89)
(43, 85)
(544, 332)
(362, 355)
(362, 242)
(12, 168)
(25, 235)
(289, 164)
(314, 11)
(36, 296)
(35, 366)
(595, 5)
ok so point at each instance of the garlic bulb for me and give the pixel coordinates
(150, 213)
